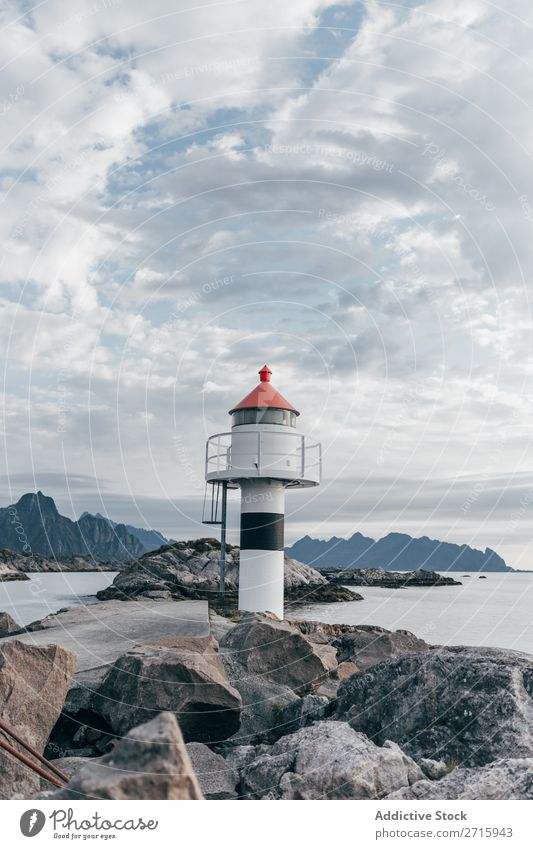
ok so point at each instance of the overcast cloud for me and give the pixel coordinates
(343, 190)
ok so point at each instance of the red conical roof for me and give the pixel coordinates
(264, 395)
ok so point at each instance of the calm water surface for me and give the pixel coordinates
(497, 611)
(47, 592)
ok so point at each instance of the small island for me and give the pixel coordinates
(386, 578)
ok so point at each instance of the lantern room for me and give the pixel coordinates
(264, 405)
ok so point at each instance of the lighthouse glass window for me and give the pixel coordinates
(264, 415)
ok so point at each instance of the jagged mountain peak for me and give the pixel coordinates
(38, 501)
(41, 530)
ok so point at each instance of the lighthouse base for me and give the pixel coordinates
(261, 582)
(261, 569)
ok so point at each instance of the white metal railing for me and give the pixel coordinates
(220, 459)
(303, 463)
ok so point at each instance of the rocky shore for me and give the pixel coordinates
(21, 565)
(190, 569)
(386, 578)
(8, 569)
(267, 709)
(185, 701)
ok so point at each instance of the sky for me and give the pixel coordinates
(341, 190)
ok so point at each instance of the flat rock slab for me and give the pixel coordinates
(100, 633)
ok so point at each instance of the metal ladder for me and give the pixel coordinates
(214, 512)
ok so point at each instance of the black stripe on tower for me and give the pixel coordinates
(262, 531)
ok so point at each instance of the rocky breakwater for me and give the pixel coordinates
(386, 578)
(191, 570)
(233, 692)
(301, 710)
(255, 707)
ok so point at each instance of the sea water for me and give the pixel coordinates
(493, 611)
(47, 592)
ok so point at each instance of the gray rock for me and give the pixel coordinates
(9, 568)
(217, 778)
(156, 594)
(220, 625)
(8, 625)
(328, 761)
(151, 762)
(191, 570)
(346, 669)
(84, 689)
(329, 689)
(239, 757)
(33, 684)
(367, 646)
(301, 713)
(360, 646)
(184, 675)
(21, 563)
(433, 769)
(388, 578)
(464, 705)
(280, 652)
(509, 778)
(70, 766)
(263, 702)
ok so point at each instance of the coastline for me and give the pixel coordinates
(272, 690)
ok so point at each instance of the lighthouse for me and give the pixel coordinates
(263, 455)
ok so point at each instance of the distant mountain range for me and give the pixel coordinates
(34, 526)
(399, 552)
(150, 539)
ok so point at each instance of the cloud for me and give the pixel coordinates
(342, 191)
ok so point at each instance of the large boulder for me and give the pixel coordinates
(328, 760)
(509, 778)
(306, 711)
(8, 625)
(365, 646)
(467, 706)
(269, 710)
(263, 702)
(360, 646)
(217, 779)
(184, 675)
(190, 569)
(280, 652)
(33, 685)
(151, 762)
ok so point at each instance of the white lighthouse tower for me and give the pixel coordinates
(263, 454)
